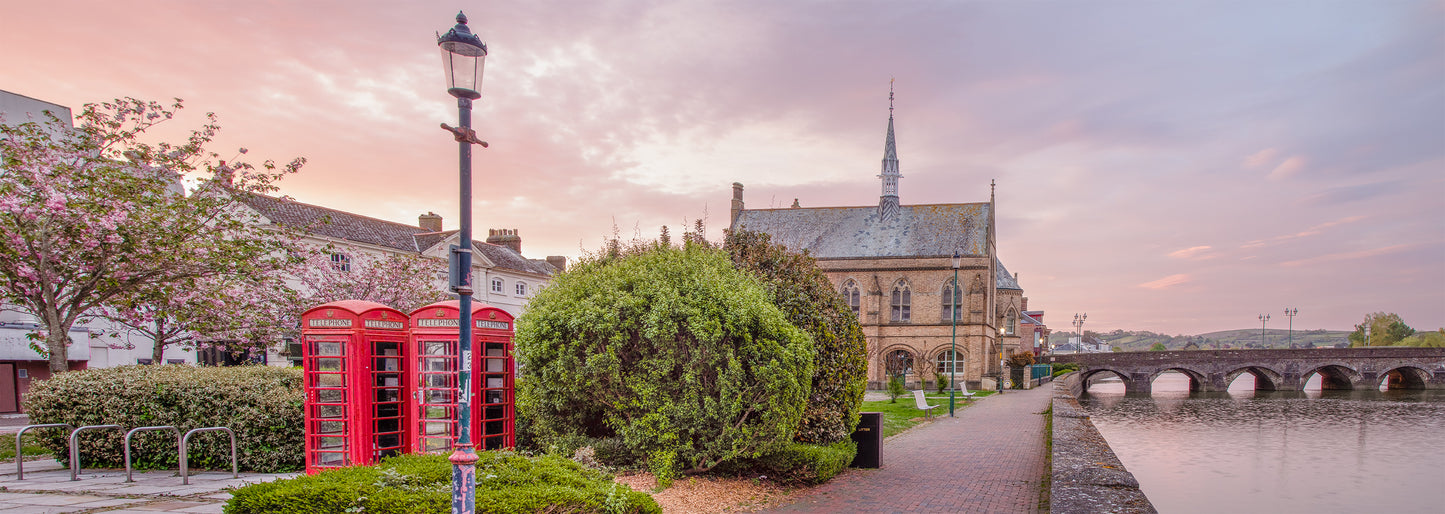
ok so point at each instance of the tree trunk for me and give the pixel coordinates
(57, 342)
(158, 351)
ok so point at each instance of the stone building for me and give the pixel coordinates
(892, 263)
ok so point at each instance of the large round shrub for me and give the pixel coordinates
(677, 357)
(808, 299)
(261, 404)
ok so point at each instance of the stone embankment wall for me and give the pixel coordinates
(1087, 476)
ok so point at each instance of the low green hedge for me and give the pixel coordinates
(262, 405)
(418, 484)
(1060, 369)
(800, 463)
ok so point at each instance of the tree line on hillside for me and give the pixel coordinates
(1383, 329)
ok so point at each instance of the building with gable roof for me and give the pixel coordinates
(892, 264)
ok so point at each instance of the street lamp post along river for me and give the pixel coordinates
(463, 55)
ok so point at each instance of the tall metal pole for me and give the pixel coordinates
(464, 456)
(1291, 312)
(953, 346)
(1263, 320)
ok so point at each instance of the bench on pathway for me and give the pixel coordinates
(923, 404)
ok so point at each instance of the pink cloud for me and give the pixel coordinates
(1346, 256)
(1191, 252)
(1288, 168)
(1166, 282)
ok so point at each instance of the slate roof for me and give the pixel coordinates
(841, 232)
(322, 221)
(1026, 318)
(1005, 280)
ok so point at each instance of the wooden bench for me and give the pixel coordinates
(923, 404)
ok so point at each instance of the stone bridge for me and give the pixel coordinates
(1282, 370)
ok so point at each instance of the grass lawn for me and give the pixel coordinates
(898, 417)
(30, 446)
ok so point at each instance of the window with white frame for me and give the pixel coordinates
(521, 288)
(497, 285)
(948, 362)
(340, 261)
(1010, 322)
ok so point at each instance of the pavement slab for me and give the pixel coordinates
(990, 458)
(48, 489)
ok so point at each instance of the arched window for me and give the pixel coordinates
(1010, 322)
(340, 262)
(949, 363)
(902, 302)
(952, 301)
(898, 363)
(851, 296)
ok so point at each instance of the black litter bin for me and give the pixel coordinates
(869, 437)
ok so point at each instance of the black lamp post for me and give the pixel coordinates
(953, 346)
(1291, 312)
(463, 55)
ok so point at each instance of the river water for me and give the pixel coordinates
(1248, 451)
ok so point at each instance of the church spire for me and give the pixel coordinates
(888, 202)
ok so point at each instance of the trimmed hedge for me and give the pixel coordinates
(408, 484)
(261, 404)
(800, 463)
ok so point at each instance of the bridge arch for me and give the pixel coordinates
(1087, 375)
(1197, 380)
(1265, 379)
(1404, 377)
(1334, 376)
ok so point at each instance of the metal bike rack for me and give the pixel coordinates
(140, 429)
(20, 459)
(75, 449)
(185, 445)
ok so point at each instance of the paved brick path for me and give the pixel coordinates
(988, 459)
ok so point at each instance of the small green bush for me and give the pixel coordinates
(261, 404)
(941, 380)
(421, 484)
(799, 463)
(895, 388)
(1060, 369)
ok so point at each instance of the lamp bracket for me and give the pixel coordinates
(464, 135)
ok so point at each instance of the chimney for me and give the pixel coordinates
(795, 204)
(737, 202)
(1024, 304)
(557, 261)
(429, 222)
(505, 237)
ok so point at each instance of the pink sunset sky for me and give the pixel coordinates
(1180, 167)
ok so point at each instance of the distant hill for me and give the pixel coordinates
(1133, 341)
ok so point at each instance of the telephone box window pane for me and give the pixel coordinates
(328, 364)
(388, 410)
(494, 382)
(439, 381)
(439, 396)
(385, 364)
(327, 380)
(331, 427)
(437, 445)
(438, 413)
(438, 428)
(435, 348)
(388, 380)
(495, 365)
(388, 440)
(388, 425)
(327, 348)
(494, 397)
(330, 411)
(387, 395)
(329, 396)
(328, 443)
(386, 348)
(437, 364)
(330, 459)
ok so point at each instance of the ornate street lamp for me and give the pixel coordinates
(953, 346)
(1263, 320)
(1291, 313)
(1079, 329)
(463, 55)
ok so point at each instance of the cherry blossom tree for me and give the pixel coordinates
(92, 214)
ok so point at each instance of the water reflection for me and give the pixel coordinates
(1286, 451)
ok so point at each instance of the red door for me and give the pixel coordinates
(9, 393)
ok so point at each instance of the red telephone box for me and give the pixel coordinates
(434, 345)
(354, 363)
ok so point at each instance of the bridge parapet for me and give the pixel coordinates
(1213, 370)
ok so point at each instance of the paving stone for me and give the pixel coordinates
(988, 459)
